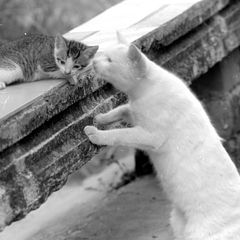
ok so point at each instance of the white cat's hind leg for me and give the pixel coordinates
(8, 76)
(178, 223)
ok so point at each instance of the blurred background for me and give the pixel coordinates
(46, 16)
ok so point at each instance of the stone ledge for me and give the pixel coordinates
(34, 166)
(40, 164)
(153, 28)
(203, 47)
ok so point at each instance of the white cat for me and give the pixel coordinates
(171, 125)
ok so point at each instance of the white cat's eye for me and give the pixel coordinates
(109, 59)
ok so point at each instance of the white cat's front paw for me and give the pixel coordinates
(100, 118)
(2, 85)
(92, 133)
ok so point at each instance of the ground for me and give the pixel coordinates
(137, 211)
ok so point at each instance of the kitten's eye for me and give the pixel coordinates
(61, 61)
(109, 59)
(77, 66)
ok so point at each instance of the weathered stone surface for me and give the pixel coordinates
(202, 48)
(44, 142)
(39, 164)
(21, 123)
(139, 211)
(219, 90)
(177, 27)
(24, 121)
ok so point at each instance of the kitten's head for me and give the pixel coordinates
(122, 65)
(72, 56)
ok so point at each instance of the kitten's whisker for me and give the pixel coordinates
(85, 70)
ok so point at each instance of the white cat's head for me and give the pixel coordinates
(122, 65)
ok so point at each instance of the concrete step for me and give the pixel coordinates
(138, 211)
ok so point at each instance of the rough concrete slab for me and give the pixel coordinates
(44, 143)
(137, 211)
(168, 24)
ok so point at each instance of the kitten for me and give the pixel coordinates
(170, 124)
(35, 57)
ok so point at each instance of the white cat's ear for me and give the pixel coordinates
(60, 41)
(121, 39)
(90, 51)
(135, 55)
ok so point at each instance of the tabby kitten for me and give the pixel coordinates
(37, 56)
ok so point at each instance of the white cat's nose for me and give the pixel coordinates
(94, 62)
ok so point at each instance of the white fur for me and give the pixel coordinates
(40, 74)
(170, 124)
(7, 76)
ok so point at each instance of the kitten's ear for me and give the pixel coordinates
(121, 39)
(90, 51)
(60, 41)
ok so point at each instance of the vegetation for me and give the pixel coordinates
(46, 16)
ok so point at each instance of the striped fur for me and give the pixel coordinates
(36, 57)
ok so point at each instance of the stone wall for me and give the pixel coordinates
(43, 142)
(219, 90)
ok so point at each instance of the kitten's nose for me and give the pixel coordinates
(67, 72)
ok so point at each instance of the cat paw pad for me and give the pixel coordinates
(90, 130)
(92, 133)
(2, 85)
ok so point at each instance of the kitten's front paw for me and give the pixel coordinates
(2, 85)
(73, 80)
(92, 133)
